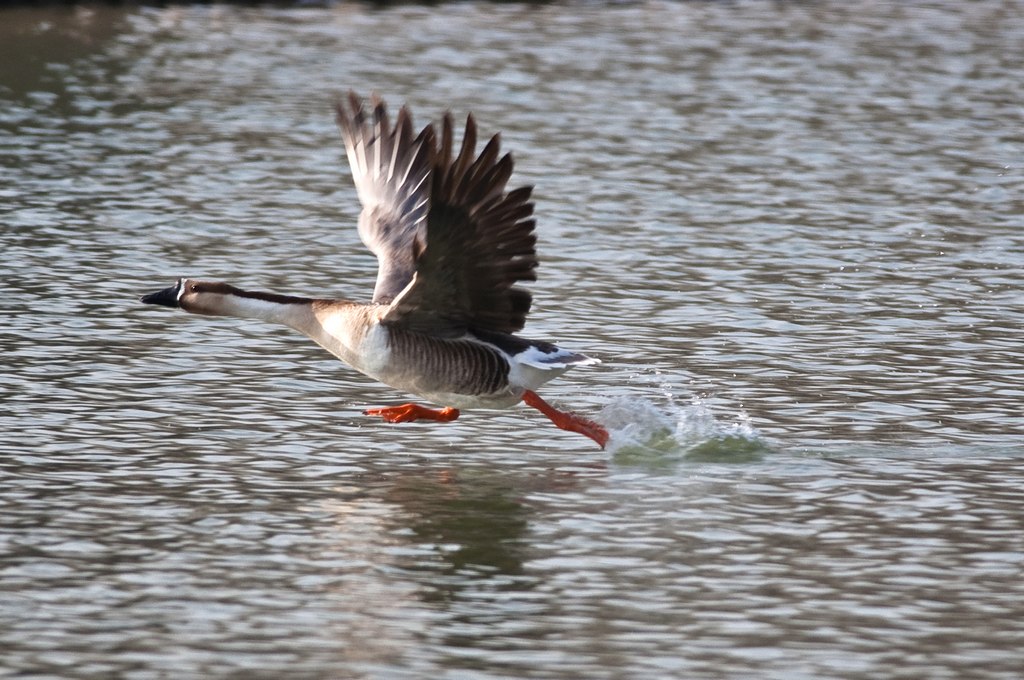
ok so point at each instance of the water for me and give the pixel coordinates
(792, 233)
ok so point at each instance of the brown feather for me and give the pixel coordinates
(451, 239)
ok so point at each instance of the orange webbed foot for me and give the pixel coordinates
(568, 421)
(408, 413)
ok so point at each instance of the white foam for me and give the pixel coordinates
(672, 432)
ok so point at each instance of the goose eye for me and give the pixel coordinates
(193, 287)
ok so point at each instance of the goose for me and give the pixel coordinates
(451, 242)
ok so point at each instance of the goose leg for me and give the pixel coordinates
(567, 421)
(407, 413)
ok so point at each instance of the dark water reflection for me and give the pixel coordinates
(799, 223)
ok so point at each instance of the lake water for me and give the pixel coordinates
(792, 232)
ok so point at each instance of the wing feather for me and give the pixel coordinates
(391, 170)
(450, 239)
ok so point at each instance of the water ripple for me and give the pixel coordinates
(791, 233)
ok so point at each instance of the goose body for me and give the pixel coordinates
(451, 244)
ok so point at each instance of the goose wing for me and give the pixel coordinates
(451, 241)
(391, 171)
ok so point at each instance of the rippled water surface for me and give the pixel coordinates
(791, 232)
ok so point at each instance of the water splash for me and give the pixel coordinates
(644, 434)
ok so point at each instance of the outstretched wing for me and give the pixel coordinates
(391, 171)
(480, 243)
(446, 227)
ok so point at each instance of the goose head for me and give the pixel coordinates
(198, 297)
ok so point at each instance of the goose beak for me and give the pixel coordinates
(168, 297)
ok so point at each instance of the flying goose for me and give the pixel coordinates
(451, 244)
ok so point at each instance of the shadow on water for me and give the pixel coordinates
(644, 435)
(461, 525)
(474, 522)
